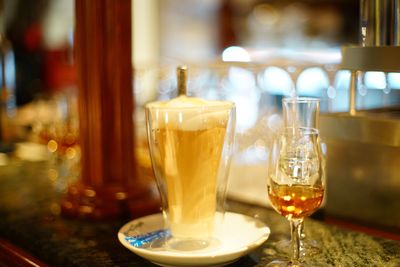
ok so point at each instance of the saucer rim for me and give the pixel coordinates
(209, 257)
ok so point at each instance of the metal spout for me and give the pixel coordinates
(182, 74)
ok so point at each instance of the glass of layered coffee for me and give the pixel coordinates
(190, 143)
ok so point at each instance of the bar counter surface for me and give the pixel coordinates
(33, 233)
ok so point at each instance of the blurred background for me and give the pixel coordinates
(252, 52)
(297, 41)
(172, 31)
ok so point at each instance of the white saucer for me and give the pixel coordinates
(240, 234)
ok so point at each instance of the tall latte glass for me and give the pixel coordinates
(190, 146)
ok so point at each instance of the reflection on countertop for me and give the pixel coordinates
(31, 220)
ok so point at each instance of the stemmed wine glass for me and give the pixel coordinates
(295, 180)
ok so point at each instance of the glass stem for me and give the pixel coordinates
(302, 237)
(296, 228)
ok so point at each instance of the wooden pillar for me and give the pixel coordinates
(109, 185)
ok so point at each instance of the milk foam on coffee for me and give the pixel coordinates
(190, 134)
(190, 113)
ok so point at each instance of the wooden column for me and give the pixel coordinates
(108, 185)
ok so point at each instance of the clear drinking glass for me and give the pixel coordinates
(295, 180)
(190, 147)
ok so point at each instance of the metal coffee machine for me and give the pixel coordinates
(363, 156)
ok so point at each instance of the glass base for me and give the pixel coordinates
(284, 263)
(310, 247)
(307, 247)
(191, 244)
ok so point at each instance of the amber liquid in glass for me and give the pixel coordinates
(189, 162)
(295, 201)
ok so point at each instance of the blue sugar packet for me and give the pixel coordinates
(142, 240)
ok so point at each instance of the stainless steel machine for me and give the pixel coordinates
(364, 147)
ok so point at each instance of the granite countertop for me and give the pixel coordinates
(31, 220)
